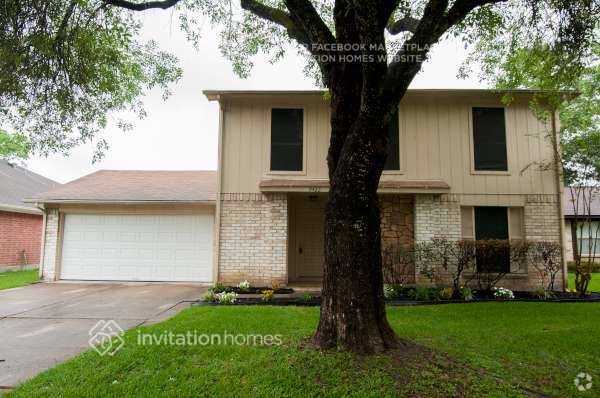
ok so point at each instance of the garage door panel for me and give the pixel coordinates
(137, 247)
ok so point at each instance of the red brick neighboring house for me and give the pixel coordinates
(20, 223)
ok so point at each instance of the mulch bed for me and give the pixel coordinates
(253, 290)
(255, 299)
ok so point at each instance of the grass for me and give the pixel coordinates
(12, 279)
(484, 349)
(594, 285)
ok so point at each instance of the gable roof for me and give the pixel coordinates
(135, 186)
(17, 183)
(582, 197)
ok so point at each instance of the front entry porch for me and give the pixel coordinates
(306, 238)
(306, 218)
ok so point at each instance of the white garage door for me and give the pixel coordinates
(128, 247)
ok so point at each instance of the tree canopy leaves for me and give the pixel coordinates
(66, 67)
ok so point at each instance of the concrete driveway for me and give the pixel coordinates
(46, 323)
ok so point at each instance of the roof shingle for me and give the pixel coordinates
(106, 186)
(17, 183)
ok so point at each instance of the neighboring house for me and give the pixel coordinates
(20, 223)
(587, 235)
(459, 166)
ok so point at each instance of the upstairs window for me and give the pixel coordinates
(489, 139)
(287, 126)
(492, 223)
(393, 159)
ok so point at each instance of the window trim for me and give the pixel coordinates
(472, 143)
(401, 150)
(515, 271)
(268, 143)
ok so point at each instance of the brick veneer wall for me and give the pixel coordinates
(20, 239)
(541, 223)
(253, 238)
(437, 216)
(50, 258)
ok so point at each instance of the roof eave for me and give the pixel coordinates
(119, 201)
(19, 209)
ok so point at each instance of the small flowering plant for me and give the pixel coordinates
(389, 292)
(267, 295)
(244, 286)
(501, 293)
(226, 297)
(210, 296)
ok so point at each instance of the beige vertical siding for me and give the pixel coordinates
(435, 144)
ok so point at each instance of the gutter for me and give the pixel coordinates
(20, 209)
(560, 195)
(124, 202)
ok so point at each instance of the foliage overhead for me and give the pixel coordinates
(13, 146)
(66, 67)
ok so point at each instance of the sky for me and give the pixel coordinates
(181, 132)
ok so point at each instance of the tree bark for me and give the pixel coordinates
(353, 315)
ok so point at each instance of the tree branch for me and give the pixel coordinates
(130, 5)
(302, 23)
(462, 8)
(305, 16)
(271, 14)
(404, 24)
(434, 23)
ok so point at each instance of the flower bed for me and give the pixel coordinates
(394, 295)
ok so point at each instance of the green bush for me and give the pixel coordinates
(446, 293)
(422, 293)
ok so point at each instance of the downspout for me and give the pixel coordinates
(217, 246)
(558, 172)
(43, 241)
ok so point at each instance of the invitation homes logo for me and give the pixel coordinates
(106, 338)
(193, 338)
(583, 382)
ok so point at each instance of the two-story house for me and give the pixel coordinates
(461, 165)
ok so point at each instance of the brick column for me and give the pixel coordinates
(253, 239)
(48, 263)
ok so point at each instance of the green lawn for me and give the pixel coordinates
(594, 283)
(18, 278)
(484, 349)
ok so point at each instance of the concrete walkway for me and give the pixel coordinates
(47, 323)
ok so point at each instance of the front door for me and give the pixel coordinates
(306, 245)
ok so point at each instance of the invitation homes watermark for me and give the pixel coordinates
(367, 53)
(106, 338)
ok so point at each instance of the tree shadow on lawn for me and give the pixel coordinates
(419, 371)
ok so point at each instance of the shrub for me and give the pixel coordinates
(219, 287)
(501, 293)
(306, 297)
(209, 296)
(546, 259)
(466, 294)
(422, 293)
(389, 292)
(267, 295)
(398, 264)
(226, 297)
(244, 286)
(452, 257)
(446, 293)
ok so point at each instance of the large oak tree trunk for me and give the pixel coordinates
(353, 308)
